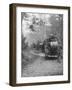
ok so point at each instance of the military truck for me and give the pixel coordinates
(51, 47)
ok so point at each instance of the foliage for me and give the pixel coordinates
(24, 44)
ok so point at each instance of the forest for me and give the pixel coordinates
(36, 28)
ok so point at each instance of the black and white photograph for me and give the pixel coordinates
(41, 44)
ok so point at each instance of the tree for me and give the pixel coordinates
(57, 26)
(24, 44)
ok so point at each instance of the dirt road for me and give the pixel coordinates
(42, 67)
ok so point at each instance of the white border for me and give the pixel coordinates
(63, 77)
